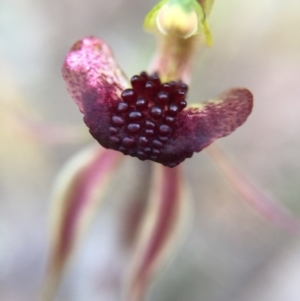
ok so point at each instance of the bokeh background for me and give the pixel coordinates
(231, 252)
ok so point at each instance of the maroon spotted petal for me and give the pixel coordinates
(95, 82)
(149, 121)
(197, 127)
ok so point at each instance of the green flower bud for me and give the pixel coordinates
(181, 18)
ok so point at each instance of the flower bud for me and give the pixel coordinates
(175, 20)
(182, 19)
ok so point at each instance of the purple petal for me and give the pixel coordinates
(95, 82)
(198, 127)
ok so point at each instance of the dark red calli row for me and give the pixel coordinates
(143, 122)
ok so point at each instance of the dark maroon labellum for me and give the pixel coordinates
(142, 123)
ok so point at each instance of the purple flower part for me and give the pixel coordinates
(94, 81)
(196, 128)
(149, 121)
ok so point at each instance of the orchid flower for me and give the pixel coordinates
(151, 120)
(147, 117)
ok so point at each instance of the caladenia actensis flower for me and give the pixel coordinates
(151, 120)
(149, 117)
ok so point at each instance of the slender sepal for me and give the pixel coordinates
(161, 229)
(259, 201)
(79, 189)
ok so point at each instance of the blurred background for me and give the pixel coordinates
(231, 252)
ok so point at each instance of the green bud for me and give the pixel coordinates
(181, 18)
